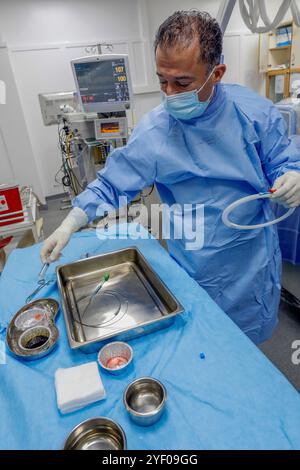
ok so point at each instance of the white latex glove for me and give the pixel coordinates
(287, 189)
(53, 245)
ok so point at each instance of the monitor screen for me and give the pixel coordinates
(103, 81)
(109, 128)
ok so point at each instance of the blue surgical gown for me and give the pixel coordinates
(289, 229)
(238, 147)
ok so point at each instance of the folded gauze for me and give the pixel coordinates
(78, 386)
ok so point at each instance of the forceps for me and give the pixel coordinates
(41, 282)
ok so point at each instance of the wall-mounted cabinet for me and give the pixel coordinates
(295, 49)
(279, 59)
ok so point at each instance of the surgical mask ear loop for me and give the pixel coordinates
(244, 200)
(205, 83)
(176, 95)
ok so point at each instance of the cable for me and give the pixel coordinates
(74, 177)
(296, 12)
(68, 138)
(69, 179)
(257, 8)
(64, 140)
(150, 192)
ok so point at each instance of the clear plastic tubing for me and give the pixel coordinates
(245, 200)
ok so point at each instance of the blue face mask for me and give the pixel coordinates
(186, 105)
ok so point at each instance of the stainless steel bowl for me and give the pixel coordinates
(112, 352)
(96, 434)
(31, 333)
(35, 338)
(145, 400)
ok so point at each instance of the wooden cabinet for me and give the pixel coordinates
(280, 61)
(277, 85)
(295, 50)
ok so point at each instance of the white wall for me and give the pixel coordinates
(43, 35)
(240, 45)
(16, 155)
(159, 10)
(24, 22)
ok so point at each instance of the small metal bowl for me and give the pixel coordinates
(145, 400)
(115, 357)
(31, 333)
(96, 434)
(35, 338)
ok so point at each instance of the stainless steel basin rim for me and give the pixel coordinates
(146, 413)
(82, 430)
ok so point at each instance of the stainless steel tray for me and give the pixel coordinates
(133, 302)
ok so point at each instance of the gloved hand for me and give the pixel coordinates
(53, 245)
(287, 189)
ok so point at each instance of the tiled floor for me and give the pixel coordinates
(278, 349)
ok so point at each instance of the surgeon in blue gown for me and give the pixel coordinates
(206, 144)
